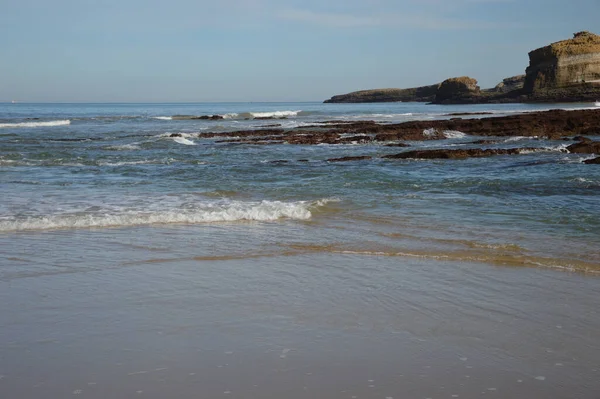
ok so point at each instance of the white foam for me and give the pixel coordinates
(126, 163)
(274, 114)
(183, 140)
(559, 148)
(202, 212)
(584, 180)
(164, 118)
(528, 111)
(7, 162)
(386, 116)
(36, 124)
(579, 159)
(430, 132)
(454, 134)
(268, 114)
(170, 135)
(519, 138)
(293, 124)
(124, 147)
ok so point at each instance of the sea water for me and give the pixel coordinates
(134, 262)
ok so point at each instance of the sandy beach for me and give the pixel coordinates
(172, 322)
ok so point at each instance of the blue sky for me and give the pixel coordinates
(267, 50)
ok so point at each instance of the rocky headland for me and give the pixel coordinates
(565, 71)
(418, 94)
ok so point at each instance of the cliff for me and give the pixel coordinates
(419, 94)
(564, 64)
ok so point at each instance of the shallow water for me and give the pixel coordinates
(136, 264)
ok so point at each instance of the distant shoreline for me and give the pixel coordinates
(565, 71)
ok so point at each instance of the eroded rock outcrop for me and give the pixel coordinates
(564, 64)
(509, 84)
(459, 89)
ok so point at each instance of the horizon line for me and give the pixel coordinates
(13, 102)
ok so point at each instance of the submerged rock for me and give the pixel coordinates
(485, 142)
(456, 153)
(585, 147)
(595, 161)
(347, 159)
(194, 117)
(397, 145)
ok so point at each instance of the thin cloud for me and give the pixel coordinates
(337, 20)
(343, 20)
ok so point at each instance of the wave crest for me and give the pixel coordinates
(264, 115)
(208, 212)
(36, 124)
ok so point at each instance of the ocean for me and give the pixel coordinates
(139, 258)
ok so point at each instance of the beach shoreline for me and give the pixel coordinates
(152, 257)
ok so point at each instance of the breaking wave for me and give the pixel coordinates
(454, 134)
(36, 124)
(520, 138)
(578, 159)
(183, 140)
(558, 148)
(124, 147)
(206, 212)
(254, 115)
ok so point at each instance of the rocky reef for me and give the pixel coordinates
(574, 126)
(565, 71)
(554, 124)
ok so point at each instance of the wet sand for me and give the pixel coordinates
(308, 325)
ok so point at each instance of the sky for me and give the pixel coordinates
(267, 50)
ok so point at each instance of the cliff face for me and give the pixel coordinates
(564, 64)
(419, 94)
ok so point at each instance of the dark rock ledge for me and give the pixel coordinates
(555, 124)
